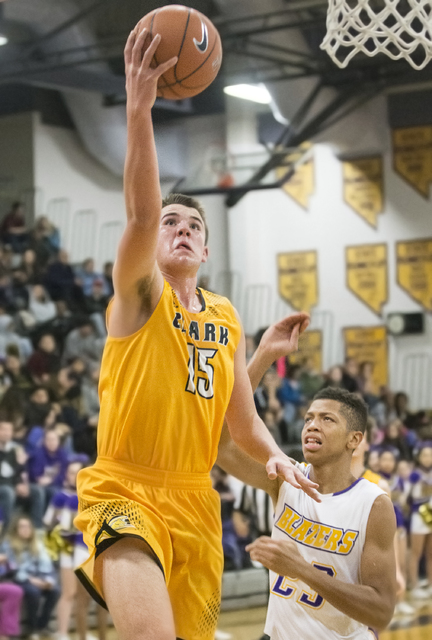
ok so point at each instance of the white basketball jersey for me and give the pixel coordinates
(330, 535)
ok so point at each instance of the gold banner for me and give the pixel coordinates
(298, 279)
(301, 184)
(369, 344)
(363, 187)
(366, 267)
(414, 270)
(412, 156)
(310, 348)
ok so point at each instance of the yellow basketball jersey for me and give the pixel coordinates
(164, 390)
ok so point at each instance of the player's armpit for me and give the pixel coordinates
(238, 464)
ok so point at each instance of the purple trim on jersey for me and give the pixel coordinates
(338, 493)
(374, 632)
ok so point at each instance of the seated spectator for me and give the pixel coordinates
(266, 394)
(13, 228)
(14, 486)
(41, 306)
(7, 300)
(233, 554)
(44, 361)
(397, 437)
(95, 306)
(48, 463)
(34, 574)
(60, 281)
(401, 406)
(289, 394)
(310, 379)
(20, 289)
(30, 267)
(22, 347)
(38, 406)
(86, 276)
(90, 404)
(10, 600)
(333, 377)
(61, 324)
(350, 375)
(44, 239)
(83, 343)
(17, 372)
(107, 273)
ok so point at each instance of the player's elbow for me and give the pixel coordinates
(382, 615)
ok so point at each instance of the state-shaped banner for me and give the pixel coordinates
(310, 348)
(367, 274)
(363, 187)
(301, 185)
(369, 344)
(414, 270)
(412, 156)
(298, 279)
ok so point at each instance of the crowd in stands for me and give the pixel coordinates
(52, 333)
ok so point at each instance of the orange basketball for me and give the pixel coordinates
(192, 37)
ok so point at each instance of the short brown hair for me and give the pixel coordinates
(187, 201)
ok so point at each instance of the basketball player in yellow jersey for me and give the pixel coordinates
(173, 368)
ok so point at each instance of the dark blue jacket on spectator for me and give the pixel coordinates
(44, 462)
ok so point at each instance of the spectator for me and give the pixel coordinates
(14, 486)
(107, 274)
(334, 377)
(47, 235)
(420, 531)
(401, 405)
(95, 306)
(61, 324)
(45, 360)
(395, 437)
(35, 575)
(266, 394)
(7, 300)
(10, 600)
(29, 265)
(83, 343)
(41, 306)
(350, 375)
(39, 405)
(48, 463)
(86, 276)
(233, 555)
(20, 377)
(20, 289)
(5, 380)
(289, 394)
(310, 379)
(60, 281)
(13, 228)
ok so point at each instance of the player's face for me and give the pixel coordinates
(325, 436)
(181, 241)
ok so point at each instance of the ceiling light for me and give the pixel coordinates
(254, 92)
(3, 40)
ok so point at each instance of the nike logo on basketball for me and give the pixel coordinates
(203, 45)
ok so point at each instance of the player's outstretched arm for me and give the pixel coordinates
(279, 340)
(372, 602)
(137, 280)
(250, 433)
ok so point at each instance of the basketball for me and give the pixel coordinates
(192, 37)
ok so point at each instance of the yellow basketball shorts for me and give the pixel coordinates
(178, 516)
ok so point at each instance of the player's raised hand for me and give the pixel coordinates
(280, 466)
(141, 76)
(280, 556)
(282, 338)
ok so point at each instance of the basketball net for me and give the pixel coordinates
(397, 28)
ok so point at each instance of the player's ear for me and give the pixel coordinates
(205, 254)
(354, 439)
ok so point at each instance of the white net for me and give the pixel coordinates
(397, 28)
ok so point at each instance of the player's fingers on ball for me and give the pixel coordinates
(128, 47)
(137, 51)
(162, 68)
(151, 50)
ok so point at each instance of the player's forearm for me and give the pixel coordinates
(257, 366)
(141, 176)
(360, 602)
(239, 464)
(256, 441)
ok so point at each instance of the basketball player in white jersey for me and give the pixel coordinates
(332, 564)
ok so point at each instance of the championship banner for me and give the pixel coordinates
(310, 348)
(412, 156)
(301, 185)
(414, 270)
(298, 279)
(364, 187)
(366, 271)
(369, 344)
